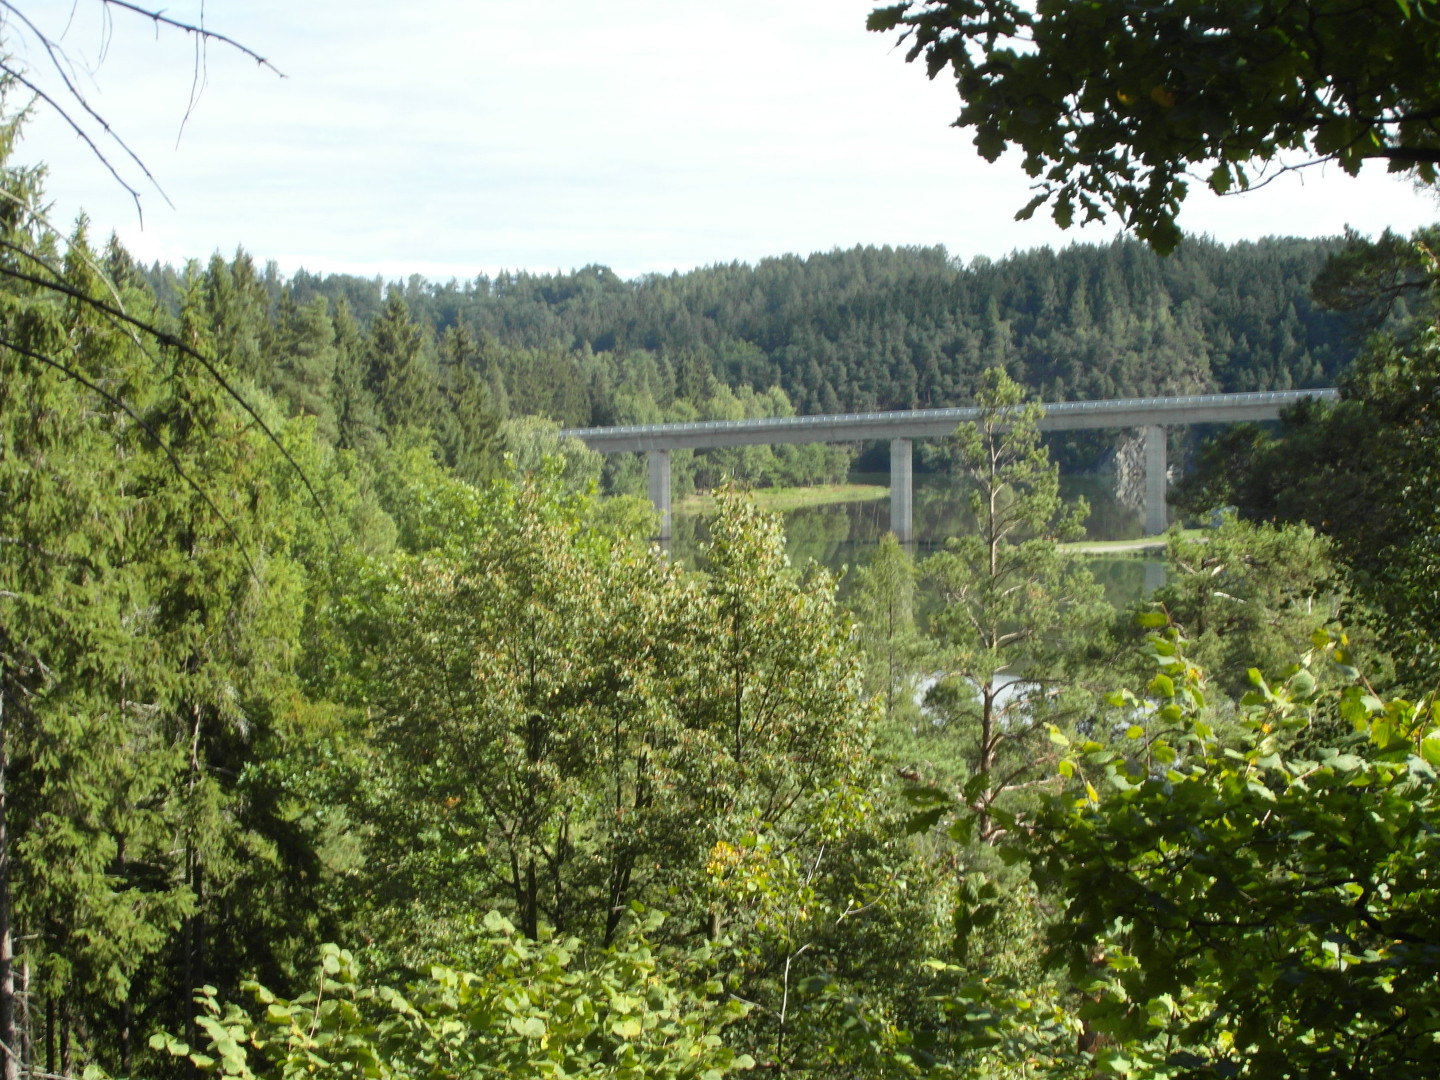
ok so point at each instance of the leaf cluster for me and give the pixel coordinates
(1255, 905)
(1116, 105)
(536, 1008)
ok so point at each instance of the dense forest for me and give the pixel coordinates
(850, 330)
(353, 726)
(347, 728)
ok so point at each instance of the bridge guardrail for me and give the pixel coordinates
(957, 414)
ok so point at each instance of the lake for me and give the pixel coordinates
(839, 535)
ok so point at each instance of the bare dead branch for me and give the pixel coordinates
(62, 65)
(75, 109)
(39, 216)
(199, 76)
(15, 74)
(201, 32)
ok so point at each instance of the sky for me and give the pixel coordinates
(451, 138)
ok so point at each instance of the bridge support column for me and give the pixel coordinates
(1156, 467)
(902, 490)
(660, 490)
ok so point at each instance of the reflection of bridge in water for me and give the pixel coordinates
(1151, 415)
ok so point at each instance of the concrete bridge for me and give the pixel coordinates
(1151, 415)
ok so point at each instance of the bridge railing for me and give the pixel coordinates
(958, 415)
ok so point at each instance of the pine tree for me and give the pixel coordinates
(883, 601)
(86, 761)
(236, 306)
(402, 370)
(1016, 609)
(471, 437)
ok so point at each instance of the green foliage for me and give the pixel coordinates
(864, 329)
(596, 727)
(1114, 104)
(592, 719)
(357, 417)
(804, 880)
(402, 370)
(1382, 281)
(536, 1008)
(1015, 609)
(531, 442)
(522, 759)
(1248, 595)
(148, 620)
(1255, 907)
(1361, 471)
(303, 351)
(1234, 902)
(235, 726)
(882, 598)
(229, 311)
(769, 674)
(88, 783)
(470, 431)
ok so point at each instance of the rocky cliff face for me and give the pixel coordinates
(1125, 464)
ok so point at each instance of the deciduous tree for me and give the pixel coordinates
(1258, 905)
(1362, 471)
(1115, 105)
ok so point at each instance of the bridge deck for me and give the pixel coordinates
(934, 423)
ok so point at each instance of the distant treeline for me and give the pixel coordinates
(867, 328)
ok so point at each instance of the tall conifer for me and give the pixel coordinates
(402, 369)
(357, 418)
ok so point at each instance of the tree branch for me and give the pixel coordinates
(163, 338)
(201, 32)
(72, 116)
(74, 375)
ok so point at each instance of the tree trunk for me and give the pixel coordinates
(26, 1023)
(52, 1019)
(193, 943)
(985, 759)
(193, 932)
(531, 914)
(126, 1019)
(10, 1053)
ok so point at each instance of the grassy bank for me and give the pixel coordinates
(792, 498)
(1123, 547)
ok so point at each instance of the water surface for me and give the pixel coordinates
(839, 535)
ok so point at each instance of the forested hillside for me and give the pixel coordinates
(347, 729)
(850, 330)
(874, 328)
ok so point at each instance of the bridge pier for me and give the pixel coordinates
(1147, 414)
(902, 490)
(659, 461)
(1156, 468)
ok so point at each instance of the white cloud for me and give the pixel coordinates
(458, 137)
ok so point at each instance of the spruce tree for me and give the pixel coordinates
(305, 361)
(236, 316)
(357, 419)
(470, 437)
(402, 369)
